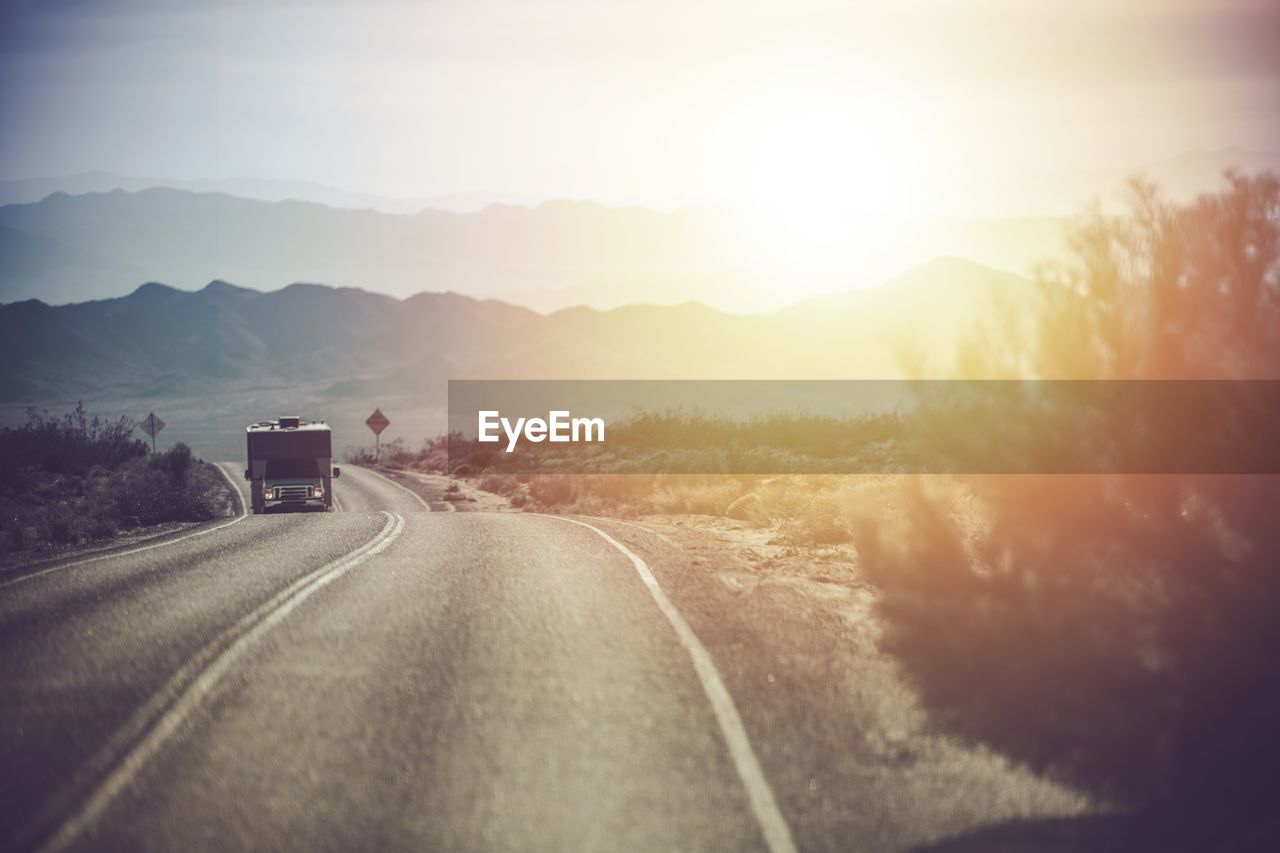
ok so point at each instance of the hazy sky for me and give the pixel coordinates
(663, 100)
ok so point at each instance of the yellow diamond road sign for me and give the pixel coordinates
(152, 425)
(378, 422)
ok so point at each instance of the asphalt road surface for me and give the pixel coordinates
(385, 677)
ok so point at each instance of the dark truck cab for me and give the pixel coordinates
(289, 464)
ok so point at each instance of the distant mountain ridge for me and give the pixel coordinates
(162, 342)
(557, 254)
(71, 248)
(1053, 193)
(27, 190)
(561, 248)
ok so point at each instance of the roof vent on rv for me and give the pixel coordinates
(288, 422)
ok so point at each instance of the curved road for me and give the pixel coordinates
(379, 677)
(389, 677)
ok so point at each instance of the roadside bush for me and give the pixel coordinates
(176, 461)
(805, 508)
(557, 491)
(431, 456)
(76, 478)
(69, 444)
(697, 498)
(358, 456)
(1118, 631)
(499, 484)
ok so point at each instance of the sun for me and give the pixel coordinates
(821, 176)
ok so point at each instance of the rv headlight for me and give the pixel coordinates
(317, 491)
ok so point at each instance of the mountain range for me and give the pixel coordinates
(78, 242)
(71, 248)
(210, 361)
(68, 248)
(26, 190)
(163, 342)
(1055, 193)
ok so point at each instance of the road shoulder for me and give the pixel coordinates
(445, 494)
(838, 731)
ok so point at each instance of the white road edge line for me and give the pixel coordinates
(60, 566)
(241, 497)
(777, 834)
(185, 691)
(419, 497)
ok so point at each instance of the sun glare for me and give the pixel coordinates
(822, 177)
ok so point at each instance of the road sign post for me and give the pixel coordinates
(152, 425)
(377, 422)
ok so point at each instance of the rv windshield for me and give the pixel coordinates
(277, 468)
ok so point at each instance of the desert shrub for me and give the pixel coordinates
(619, 494)
(806, 506)
(823, 526)
(499, 484)
(1118, 631)
(102, 528)
(358, 456)
(748, 507)
(701, 497)
(589, 494)
(806, 509)
(176, 461)
(555, 490)
(69, 444)
(60, 525)
(431, 456)
(142, 494)
(77, 478)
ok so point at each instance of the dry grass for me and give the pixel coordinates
(802, 510)
(703, 498)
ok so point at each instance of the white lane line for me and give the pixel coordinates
(654, 534)
(113, 554)
(417, 496)
(777, 834)
(242, 498)
(184, 692)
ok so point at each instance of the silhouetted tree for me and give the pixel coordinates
(1119, 631)
(1169, 291)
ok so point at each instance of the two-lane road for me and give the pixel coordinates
(380, 677)
(361, 490)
